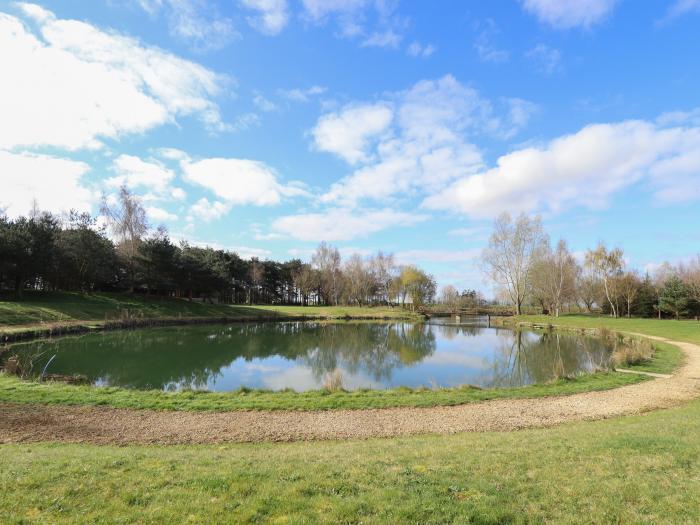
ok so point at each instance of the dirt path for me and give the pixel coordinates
(26, 423)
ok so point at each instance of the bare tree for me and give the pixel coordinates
(327, 261)
(607, 265)
(127, 223)
(306, 280)
(629, 285)
(385, 270)
(512, 250)
(451, 298)
(661, 276)
(554, 277)
(359, 280)
(589, 289)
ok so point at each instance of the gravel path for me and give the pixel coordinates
(27, 423)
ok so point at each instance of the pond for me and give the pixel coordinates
(301, 355)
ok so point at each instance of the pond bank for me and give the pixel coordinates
(102, 425)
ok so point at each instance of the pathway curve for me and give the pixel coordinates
(101, 425)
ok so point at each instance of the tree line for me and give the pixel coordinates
(528, 270)
(121, 253)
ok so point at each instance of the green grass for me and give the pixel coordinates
(642, 469)
(38, 308)
(15, 390)
(688, 331)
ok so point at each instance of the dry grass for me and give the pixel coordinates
(632, 352)
(333, 382)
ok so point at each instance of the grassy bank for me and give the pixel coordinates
(630, 470)
(56, 308)
(18, 391)
(665, 360)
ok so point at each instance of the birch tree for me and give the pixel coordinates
(608, 266)
(511, 253)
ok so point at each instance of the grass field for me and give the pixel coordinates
(629, 470)
(37, 308)
(640, 469)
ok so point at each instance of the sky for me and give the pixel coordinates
(268, 126)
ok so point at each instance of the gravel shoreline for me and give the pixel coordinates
(21, 423)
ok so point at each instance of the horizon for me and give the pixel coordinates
(271, 127)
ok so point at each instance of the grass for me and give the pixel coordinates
(42, 308)
(641, 469)
(16, 390)
(688, 331)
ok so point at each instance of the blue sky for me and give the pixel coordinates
(267, 126)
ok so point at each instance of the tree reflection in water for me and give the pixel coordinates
(225, 357)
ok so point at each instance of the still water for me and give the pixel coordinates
(296, 355)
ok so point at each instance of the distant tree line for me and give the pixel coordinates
(529, 271)
(75, 253)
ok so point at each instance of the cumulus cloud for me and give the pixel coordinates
(159, 214)
(137, 173)
(239, 181)
(118, 93)
(418, 140)
(583, 169)
(207, 211)
(342, 224)
(347, 133)
(57, 184)
(272, 15)
(566, 14)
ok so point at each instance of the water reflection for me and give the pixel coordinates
(299, 355)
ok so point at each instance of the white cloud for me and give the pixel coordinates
(272, 15)
(347, 132)
(57, 184)
(422, 148)
(340, 224)
(207, 211)
(263, 104)
(136, 173)
(354, 17)
(583, 169)
(547, 59)
(194, 21)
(416, 49)
(565, 14)
(383, 39)
(119, 92)
(248, 252)
(239, 181)
(301, 95)
(159, 214)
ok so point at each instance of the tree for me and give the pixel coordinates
(127, 221)
(629, 285)
(359, 280)
(690, 275)
(384, 269)
(418, 285)
(451, 298)
(157, 263)
(307, 281)
(554, 275)
(327, 261)
(589, 289)
(661, 276)
(86, 257)
(674, 297)
(511, 252)
(607, 266)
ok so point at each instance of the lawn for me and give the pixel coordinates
(640, 469)
(38, 308)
